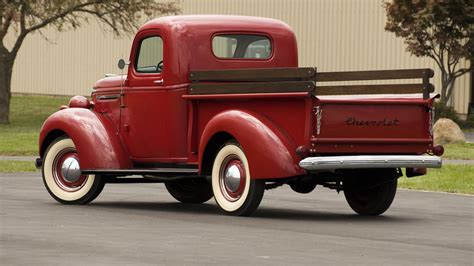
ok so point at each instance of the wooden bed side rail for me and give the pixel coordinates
(374, 89)
(304, 73)
(251, 87)
(252, 81)
(280, 80)
(424, 87)
(375, 75)
(254, 75)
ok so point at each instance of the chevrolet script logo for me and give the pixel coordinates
(352, 121)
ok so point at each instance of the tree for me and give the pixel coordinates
(19, 18)
(440, 29)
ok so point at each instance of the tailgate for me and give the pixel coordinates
(366, 125)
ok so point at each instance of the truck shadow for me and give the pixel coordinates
(341, 215)
(262, 212)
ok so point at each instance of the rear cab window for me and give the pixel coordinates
(241, 46)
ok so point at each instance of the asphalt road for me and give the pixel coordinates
(142, 224)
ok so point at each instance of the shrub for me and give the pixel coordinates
(469, 123)
(443, 111)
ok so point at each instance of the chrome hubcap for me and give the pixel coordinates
(67, 171)
(232, 178)
(70, 169)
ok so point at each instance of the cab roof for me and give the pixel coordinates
(188, 43)
(215, 22)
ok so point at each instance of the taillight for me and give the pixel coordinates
(438, 150)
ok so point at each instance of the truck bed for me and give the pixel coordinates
(342, 119)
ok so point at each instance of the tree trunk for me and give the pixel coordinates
(450, 89)
(444, 88)
(447, 87)
(6, 67)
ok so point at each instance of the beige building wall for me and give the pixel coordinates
(333, 35)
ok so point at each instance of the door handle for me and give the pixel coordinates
(158, 82)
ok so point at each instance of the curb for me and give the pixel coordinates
(18, 158)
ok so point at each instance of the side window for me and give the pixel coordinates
(150, 55)
(242, 46)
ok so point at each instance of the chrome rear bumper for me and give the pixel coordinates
(370, 161)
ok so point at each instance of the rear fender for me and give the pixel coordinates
(96, 140)
(270, 152)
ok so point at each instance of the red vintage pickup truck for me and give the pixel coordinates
(216, 106)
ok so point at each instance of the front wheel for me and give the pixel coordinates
(62, 174)
(234, 191)
(371, 196)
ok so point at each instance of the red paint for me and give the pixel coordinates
(79, 102)
(269, 149)
(95, 138)
(134, 118)
(373, 126)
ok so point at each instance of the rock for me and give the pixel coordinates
(446, 131)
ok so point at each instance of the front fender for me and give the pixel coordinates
(270, 152)
(96, 141)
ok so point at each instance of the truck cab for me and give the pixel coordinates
(216, 106)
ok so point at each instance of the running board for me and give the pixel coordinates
(370, 161)
(147, 179)
(129, 180)
(150, 171)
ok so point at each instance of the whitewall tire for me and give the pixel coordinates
(62, 177)
(234, 190)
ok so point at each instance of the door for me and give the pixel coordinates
(144, 127)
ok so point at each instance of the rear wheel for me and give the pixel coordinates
(62, 174)
(190, 190)
(371, 195)
(234, 191)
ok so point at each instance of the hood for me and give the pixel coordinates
(110, 82)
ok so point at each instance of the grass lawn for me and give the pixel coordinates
(27, 114)
(450, 178)
(17, 166)
(460, 151)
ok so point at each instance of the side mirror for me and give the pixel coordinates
(121, 64)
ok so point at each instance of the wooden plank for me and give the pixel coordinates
(372, 89)
(240, 96)
(251, 87)
(257, 74)
(374, 75)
